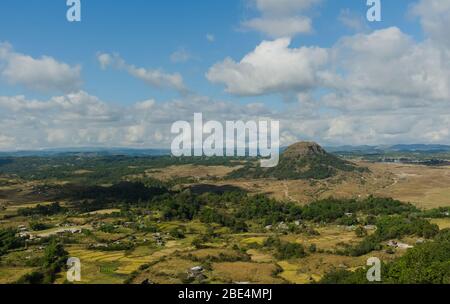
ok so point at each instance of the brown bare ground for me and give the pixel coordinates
(424, 186)
(190, 171)
(260, 273)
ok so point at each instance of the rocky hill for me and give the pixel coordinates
(303, 160)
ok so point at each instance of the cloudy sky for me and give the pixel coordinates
(123, 75)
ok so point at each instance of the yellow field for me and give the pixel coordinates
(426, 187)
(259, 257)
(190, 171)
(442, 223)
(213, 253)
(9, 275)
(103, 212)
(260, 273)
(125, 264)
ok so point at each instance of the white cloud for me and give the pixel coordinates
(6, 142)
(83, 120)
(44, 74)
(382, 87)
(272, 67)
(434, 18)
(104, 59)
(281, 18)
(135, 134)
(153, 77)
(389, 66)
(80, 120)
(380, 70)
(145, 105)
(180, 55)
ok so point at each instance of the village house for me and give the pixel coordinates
(399, 245)
(196, 273)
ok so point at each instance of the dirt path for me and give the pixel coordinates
(286, 193)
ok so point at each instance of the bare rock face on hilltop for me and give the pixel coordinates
(303, 149)
(303, 160)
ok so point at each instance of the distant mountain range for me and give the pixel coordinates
(92, 151)
(393, 148)
(87, 152)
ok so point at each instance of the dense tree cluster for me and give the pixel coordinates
(285, 250)
(45, 210)
(54, 260)
(9, 241)
(98, 169)
(427, 263)
(266, 210)
(211, 215)
(319, 166)
(393, 227)
(183, 206)
(329, 210)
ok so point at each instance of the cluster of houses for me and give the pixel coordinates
(158, 238)
(40, 190)
(366, 227)
(282, 226)
(69, 230)
(197, 273)
(23, 232)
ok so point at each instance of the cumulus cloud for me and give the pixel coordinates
(281, 18)
(384, 69)
(381, 87)
(153, 77)
(271, 68)
(364, 128)
(44, 74)
(387, 69)
(434, 18)
(82, 120)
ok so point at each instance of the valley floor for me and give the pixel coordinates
(234, 257)
(424, 186)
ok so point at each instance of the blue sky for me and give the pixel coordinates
(146, 33)
(170, 37)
